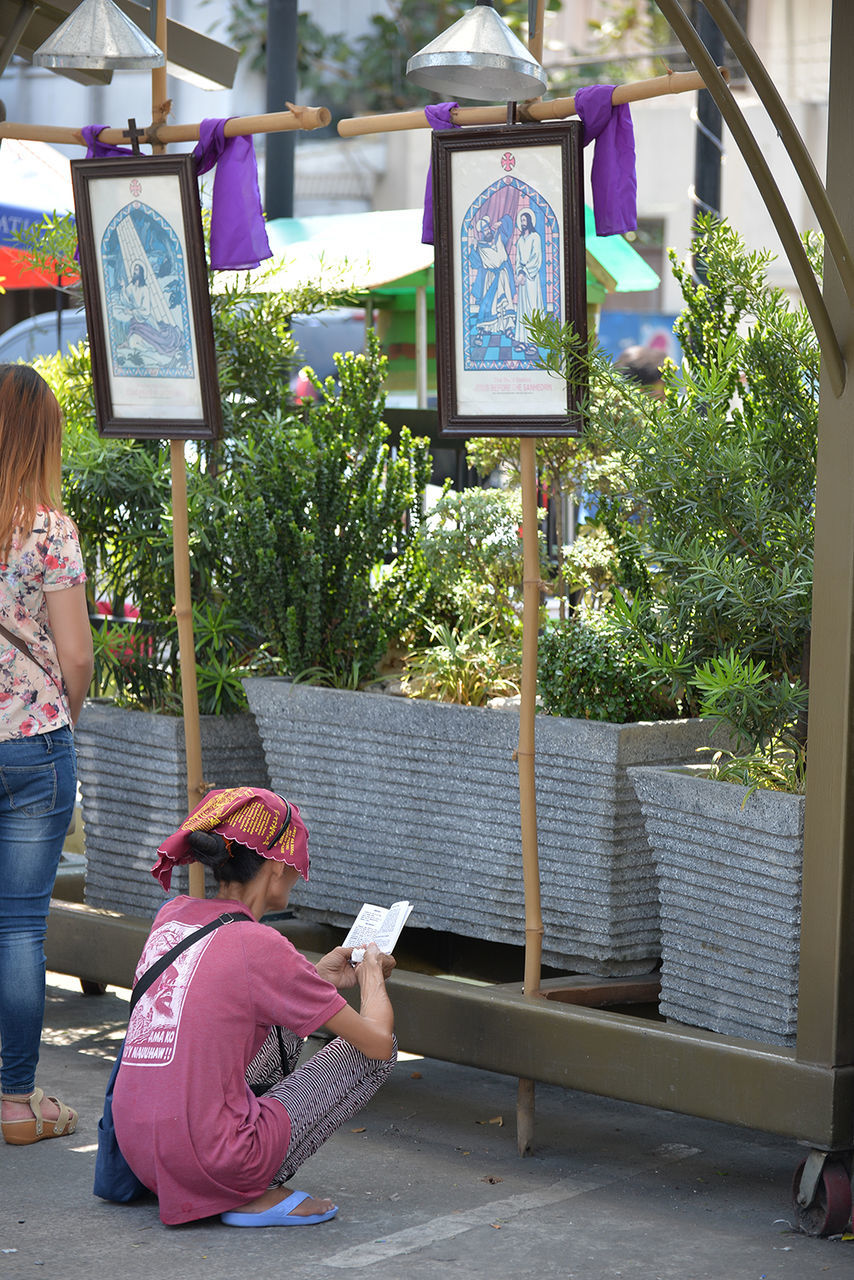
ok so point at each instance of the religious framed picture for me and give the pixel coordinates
(508, 217)
(145, 287)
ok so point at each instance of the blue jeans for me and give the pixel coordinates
(38, 784)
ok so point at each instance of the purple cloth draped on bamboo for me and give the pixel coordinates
(613, 175)
(238, 233)
(96, 150)
(438, 117)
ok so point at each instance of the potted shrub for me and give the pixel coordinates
(130, 738)
(418, 797)
(721, 488)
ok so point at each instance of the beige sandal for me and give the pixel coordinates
(20, 1133)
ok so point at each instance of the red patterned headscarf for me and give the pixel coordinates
(257, 818)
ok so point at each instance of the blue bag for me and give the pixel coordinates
(114, 1178)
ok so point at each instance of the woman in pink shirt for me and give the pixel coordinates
(210, 1109)
(45, 670)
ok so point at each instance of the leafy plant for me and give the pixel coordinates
(590, 566)
(472, 567)
(566, 467)
(368, 73)
(741, 694)
(720, 486)
(119, 493)
(781, 766)
(49, 247)
(587, 672)
(319, 505)
(464, 666)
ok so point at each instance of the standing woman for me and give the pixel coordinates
(45, 671)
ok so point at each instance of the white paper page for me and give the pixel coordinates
(376, 924)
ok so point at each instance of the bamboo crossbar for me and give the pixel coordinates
(161, 134)
(308, 118)
(556, 109)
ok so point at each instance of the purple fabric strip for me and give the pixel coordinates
(96, 150)
(613, 174)
(238, 233)
(438, 117)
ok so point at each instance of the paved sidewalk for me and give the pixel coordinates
(429, 1184)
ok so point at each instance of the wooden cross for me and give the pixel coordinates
(133, 135)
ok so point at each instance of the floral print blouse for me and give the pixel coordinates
(32, 701)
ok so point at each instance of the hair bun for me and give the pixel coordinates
(208, 846)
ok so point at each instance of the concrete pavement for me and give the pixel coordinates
(429, 1184)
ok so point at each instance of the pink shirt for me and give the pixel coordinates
(186, 1121)
(48, 560)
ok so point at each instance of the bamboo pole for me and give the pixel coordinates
(525, 1098)
(555, 109)
(159, 134)
(525, 759)
(181, 538)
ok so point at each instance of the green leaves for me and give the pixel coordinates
(319, 506)
(741, 694)
(589, 671)
(120, 495)
(466, 665)
(713, 519)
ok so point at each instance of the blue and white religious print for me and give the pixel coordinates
(145, 292)
(510, 243)
(511, 231)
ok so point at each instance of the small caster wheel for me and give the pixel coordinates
(830, 1209)
(90, 988)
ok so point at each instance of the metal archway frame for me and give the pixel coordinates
(826, 999)
(807, 1093)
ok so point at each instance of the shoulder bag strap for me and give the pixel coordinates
(24, 649)
(146, 979)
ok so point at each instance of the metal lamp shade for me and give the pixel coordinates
(478, 57)
(97, 36)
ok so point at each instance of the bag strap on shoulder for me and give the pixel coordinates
(154, 972)
(24, 648)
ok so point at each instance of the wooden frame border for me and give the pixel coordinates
(145, 403)
(558, 415)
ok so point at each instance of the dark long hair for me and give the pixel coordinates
(230, 861)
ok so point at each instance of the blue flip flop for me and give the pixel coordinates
(279, 1215)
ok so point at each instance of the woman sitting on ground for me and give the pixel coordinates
(211, 1111)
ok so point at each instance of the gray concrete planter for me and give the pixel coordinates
(133, 783)
(730, 884)
(414, 799)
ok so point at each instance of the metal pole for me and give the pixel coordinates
(826, 999)
(281, 89)
(421, 346)
(709, 126)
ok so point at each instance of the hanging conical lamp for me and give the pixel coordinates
(98, 37)
(478, 57)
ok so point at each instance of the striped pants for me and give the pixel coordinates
(319, 1096)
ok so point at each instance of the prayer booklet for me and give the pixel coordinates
(377, 924)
